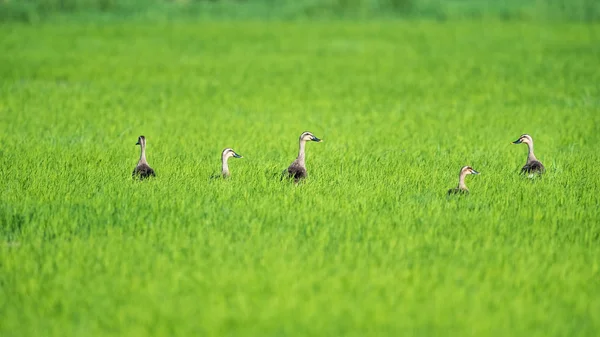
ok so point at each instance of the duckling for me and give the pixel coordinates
(142, 168)
(533, 166)
(227, 153)
(462, 188)
(297, 169)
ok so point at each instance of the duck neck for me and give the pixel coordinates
(224, 166)
(301, 156)
(530, 155)
(143, 153)
(461, 180)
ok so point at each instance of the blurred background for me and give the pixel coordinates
(32, 11)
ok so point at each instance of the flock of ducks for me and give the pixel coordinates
(532, 167)
(297, 169)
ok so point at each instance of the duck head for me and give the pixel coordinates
(468, 170)
(525, 138)
(228, 153)
(141, 140)
(308, 136)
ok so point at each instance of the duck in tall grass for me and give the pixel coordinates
(142, 169)
(297, 170)
(533, 166)
(462, 188)
(225, 155)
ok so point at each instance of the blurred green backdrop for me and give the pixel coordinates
(538, 10)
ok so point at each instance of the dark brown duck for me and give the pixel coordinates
(532, 166)
(225, 155)
(462, 188)
(142, 169)
(297, 170)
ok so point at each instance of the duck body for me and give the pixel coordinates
(297, 170)
(458, 190)
(142, 169)
(533, 166)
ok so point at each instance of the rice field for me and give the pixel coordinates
(368, 245)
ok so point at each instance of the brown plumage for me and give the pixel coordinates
(142, 169)
(532, 166)
(462, 188)
(297, 170)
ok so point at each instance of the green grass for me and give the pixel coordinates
(368, 245)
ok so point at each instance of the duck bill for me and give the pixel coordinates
(138, 143)
(315, 139)
(474, 172)
(518, 141)
(237, 155)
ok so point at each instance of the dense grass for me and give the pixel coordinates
(522, 10)
(368, 245)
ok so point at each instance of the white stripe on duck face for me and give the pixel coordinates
(525, 138)
(306, 136)
(229, 152)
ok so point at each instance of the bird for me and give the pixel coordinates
(297, 169)
(225, 155)
(462, 188)
(533, 166)
(142, 169)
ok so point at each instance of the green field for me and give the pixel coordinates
(368, 245)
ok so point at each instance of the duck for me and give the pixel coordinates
(297, 169)
(462, 188)
(533, 166)
(142, 169)
(225, 155)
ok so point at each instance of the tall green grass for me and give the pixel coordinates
(161, 10)
(368, 245)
